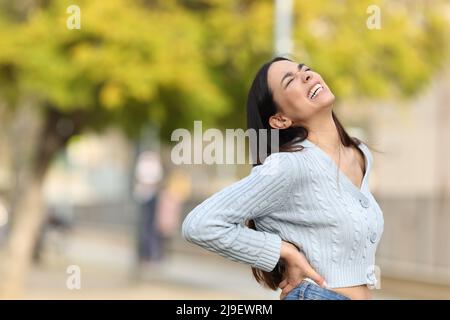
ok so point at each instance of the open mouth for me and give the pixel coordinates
(315, 90)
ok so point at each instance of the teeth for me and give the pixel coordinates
(315, 90)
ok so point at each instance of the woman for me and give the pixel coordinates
(314, 224)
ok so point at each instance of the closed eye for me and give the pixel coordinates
(292, 78)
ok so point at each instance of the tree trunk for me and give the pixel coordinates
(29, 218)
(30, 211)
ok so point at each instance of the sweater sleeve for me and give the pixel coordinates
(217, 223)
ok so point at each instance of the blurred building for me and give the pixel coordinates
(411, 180)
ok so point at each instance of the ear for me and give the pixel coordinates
(279, 121)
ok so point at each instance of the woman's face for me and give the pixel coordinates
(298, 91)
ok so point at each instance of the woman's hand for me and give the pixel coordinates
(297, 269)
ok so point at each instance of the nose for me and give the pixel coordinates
(306, 76)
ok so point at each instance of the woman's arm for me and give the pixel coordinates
(217, 224)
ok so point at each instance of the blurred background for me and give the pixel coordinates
(90, 92)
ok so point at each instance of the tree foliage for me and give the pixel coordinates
(171, 62)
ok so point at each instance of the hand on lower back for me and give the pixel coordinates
(297, 268)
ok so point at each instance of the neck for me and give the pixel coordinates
(323, 131)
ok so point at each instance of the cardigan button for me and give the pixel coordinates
(364, 202)
(373, 237)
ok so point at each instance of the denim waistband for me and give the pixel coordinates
(309, 290)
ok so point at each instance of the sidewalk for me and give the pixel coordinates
(107, 272)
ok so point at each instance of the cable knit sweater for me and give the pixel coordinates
(301, 197)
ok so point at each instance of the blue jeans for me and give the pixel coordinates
(307, 290)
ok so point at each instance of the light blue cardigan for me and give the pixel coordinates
(295, 196)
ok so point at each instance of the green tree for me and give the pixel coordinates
(167, 63)
(130, 64)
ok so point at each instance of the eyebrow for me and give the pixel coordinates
(288, 74)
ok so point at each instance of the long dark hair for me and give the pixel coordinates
(260, 107)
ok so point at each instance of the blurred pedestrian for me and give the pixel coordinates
(169, 206)
(148, 174)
